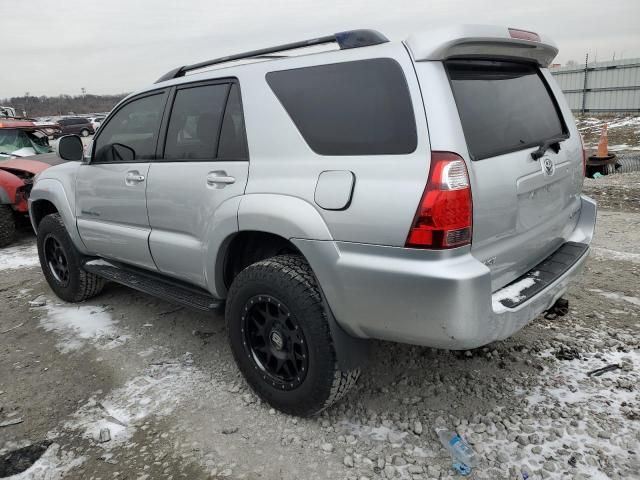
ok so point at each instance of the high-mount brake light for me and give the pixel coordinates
(444, 217)
(524, 35)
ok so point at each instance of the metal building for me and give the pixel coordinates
(605, 87)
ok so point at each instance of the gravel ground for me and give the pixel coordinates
(160, 384)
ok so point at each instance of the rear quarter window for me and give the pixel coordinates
(351, 108)
(503, 106)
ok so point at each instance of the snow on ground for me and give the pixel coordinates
(19, 256)
(616, 296)
(607, 253)
(78, 325)
(549, 431)
(52, 465)
(158, 392)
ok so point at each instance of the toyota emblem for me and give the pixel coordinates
(548, 167)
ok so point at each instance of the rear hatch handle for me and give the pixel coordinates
(552, 143)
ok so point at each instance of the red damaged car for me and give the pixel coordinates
(20, 139)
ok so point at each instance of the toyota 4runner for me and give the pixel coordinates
(425, 191)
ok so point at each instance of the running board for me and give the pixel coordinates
(153, 284)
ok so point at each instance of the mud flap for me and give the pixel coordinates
(351, 352)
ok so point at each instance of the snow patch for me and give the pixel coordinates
(616, 296)
(99, 262)
(606, 253)
(607, 395)
(157, 392)
(19, 256)
(52, 465)
(380, 434)
(78, 325)
(512, 292)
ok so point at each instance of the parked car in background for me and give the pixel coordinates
(308, 195)
(76, 126)
(96, 121)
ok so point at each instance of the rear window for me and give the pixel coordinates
(350, 108)
(503, 106)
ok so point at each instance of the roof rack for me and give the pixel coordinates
(345, 40)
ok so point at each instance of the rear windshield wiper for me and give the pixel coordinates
(552, 143)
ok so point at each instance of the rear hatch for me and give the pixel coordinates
(523, 208)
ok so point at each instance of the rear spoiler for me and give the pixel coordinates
(481, 41)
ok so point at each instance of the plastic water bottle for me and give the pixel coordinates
(457, 447)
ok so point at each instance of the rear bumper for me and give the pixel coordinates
(436, 299)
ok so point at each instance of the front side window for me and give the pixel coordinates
(351, 108)
(132, 132)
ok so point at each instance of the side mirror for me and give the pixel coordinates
(70, 148)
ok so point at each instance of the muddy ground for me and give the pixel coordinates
(160, 382)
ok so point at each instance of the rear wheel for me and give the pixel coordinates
(280, 337)
(84, 132)
(7, 225)
(62, 263)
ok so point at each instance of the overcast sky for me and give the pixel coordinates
(114, 46)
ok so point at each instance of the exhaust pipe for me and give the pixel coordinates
(558, 309)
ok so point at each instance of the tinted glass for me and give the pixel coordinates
(503, 106)
(351, 108)
(195, 123)
(135, 126)
(233, 145)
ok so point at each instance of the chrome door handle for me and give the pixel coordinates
(220, 178)
(134, 177)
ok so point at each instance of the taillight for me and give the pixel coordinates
(444, 216)
(584, 157)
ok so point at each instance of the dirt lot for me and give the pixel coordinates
(161, 379)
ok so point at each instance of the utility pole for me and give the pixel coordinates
(584, 86)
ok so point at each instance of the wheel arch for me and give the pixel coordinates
(49, 196)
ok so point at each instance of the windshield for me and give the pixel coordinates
(12, 140)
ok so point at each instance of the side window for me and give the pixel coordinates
(132, 132)
(195, 123)
(233, 142)
(351, 108)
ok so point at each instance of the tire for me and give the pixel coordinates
(84, 132)
(7, 226)
(285, 287)
(55, 244)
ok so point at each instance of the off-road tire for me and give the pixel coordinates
(7, 226)
(290, 279)
(81, 284)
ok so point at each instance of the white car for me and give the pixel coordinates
(96, 121)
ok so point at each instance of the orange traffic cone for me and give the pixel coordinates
(603, 143)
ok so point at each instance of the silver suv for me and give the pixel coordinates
(425, 191)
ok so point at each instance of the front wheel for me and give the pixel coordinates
(7, 225)
(62, 263)
(280, 337)
(85, 132)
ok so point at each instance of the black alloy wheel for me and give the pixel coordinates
(56, 260)
(274, 341)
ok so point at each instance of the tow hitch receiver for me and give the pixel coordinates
(558, 309)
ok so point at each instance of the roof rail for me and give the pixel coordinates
(345, 40)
